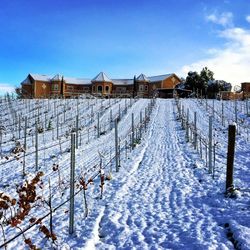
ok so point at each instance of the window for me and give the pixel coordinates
(146, 87)
(54, 86)
(70, 87)
(141, 88)
(121, 89)
(99, 89)
(107, 88)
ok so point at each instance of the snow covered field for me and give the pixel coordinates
(162, 197)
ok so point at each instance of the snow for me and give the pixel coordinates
(72, 80)
(58, 77)
(101, 77)
(161, 198)
(41, 77)
(123, 81)
(142, 78)
(159, 78)
(80, 81)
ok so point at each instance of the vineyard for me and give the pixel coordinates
(123, 173)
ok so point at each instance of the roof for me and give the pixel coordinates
(159, 78)
(101, 77)
(72, 80)
(58, 77)
(38, 77)
(142, 78)
(123, 81)
(26, 80)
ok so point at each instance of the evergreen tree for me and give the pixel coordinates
(61, 87)
(134, 87)
(192, 80)
(199, 82)
(206, 76)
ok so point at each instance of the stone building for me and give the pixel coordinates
(44, 86)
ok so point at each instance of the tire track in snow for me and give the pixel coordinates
(160, 205)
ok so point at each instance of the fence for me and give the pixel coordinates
(123, 143)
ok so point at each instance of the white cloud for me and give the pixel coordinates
(231, 62)
(248, 18)
(4, 88)
(224, 19)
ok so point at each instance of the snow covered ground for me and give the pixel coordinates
(161, 198)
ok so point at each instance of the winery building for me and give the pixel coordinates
(245, 87)
(45, 86)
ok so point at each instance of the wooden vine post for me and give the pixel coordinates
(235, 111)
(140, 125)
(72, 184)
(116, 147)
(222, 113)
(77, 130)
(230, 156)
(19, 127)
(210, 138)
(57, 126)
(25, 145)
(187, 126)
(98, 125)
(195, 130)
(110, 119)
(133, 131)
(36, 145)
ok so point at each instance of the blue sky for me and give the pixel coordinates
(124, 38)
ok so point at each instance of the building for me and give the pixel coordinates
(228, 95)
(44, 86)
(245, 87)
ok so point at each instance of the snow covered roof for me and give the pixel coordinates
(57, 77)
(26, 81)
(159, 78)
(38, 77)
(142, 78)
(101, 77)
(123, 81)
(72, 80)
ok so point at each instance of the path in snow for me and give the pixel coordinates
(161, 204)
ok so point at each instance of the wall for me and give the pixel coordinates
(76, 89)
(103, 84)
(152, 88)
(246, 89)
(42, 89)
(27, 90)
(227, 95)
(170, 82)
